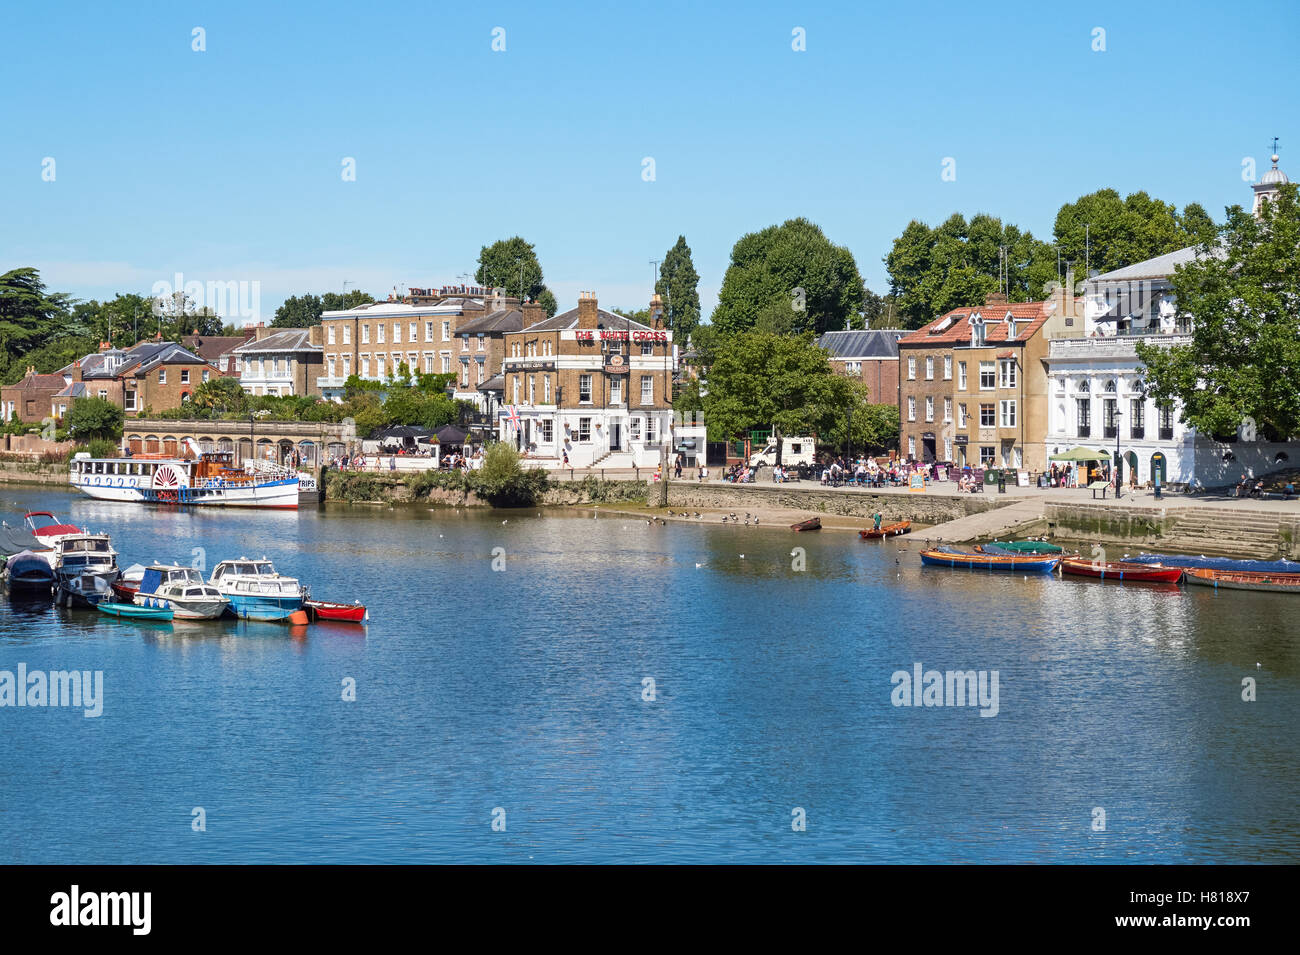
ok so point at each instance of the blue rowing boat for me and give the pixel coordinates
(1026, 564)
(134, 612)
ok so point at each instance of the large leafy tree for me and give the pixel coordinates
(303, 311)
(872, 427)
(220, 392)
(679, 286)
(1102, 232)
(31, 320)
(759, 378)
(94, 418)
(1242, 368)
(512, 264)
(933, 270)
(789, 278)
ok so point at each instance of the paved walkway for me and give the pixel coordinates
(994, 524)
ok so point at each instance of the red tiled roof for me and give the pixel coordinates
(956, 331)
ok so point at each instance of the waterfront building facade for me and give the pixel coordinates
(32, 398)
(589, 384)
(871, 356)
(280, 362)
(973, 386)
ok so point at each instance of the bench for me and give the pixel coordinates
(1096, 486)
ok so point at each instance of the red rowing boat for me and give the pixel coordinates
(1121, 570)
(325, 610)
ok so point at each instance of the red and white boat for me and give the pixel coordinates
(47, 528)
(192, 479)
(1121, 570)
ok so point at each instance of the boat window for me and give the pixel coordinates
(265, 569)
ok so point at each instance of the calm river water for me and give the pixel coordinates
(522, 690)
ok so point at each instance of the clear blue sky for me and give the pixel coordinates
(225, 164)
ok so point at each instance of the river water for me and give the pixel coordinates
(521, 696)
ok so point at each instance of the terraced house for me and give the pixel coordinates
(589, 384)
(973, 386)
(280, 361)
(152, 376)
(373, 341)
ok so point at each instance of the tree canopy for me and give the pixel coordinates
(94, 418)
(788, 279)
(1241, 372)
(1102, 232)
(512, 264)
(303, 311)
(679, 286)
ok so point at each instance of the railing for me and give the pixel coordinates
(1109, 431)
(1166, 434)
(1137, 432)
(1110, 346)
(1085, 431)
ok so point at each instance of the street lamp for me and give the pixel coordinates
(1118, 481)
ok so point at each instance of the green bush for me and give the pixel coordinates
(503, 482)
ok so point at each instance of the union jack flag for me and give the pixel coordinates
(513, 416)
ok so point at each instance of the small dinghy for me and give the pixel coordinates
(812, 524)
(134, 612)
(1122, 570)
(325, 610)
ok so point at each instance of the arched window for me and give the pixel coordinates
(1110, 386)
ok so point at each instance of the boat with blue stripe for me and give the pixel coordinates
(256, 591)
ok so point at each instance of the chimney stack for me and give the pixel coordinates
(995, 298)
(588, 314)
(498, 299)
(533, 313)
(656, 312)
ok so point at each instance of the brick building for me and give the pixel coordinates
(973, 386)
(871, 356)
(31, 398)
(280, 361)
(216, 349)
(590, 384)
(373, 340)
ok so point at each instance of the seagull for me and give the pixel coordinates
(698, 565)
(742, 556)
(506, 521)
(756, 522)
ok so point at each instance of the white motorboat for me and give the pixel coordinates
(255, 590)
(182, 591)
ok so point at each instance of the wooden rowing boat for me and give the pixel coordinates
(812, 524)
(1121, 570)
(951, 557)
(326, 610)
(134, 611)
(888, 530)
(1242, 580)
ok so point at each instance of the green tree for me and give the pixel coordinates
(789, 274)
(1244, 359)
(679, 286)
(932, 271)
(91, 418)
(30, 319)
(512, 264)
(759, 378)
(303, 311)
(875, 428)
(220, 392)
(1102, 232)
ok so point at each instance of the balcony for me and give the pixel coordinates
(1085, 431)
(1110, 431)
(1137, 432)
(1120, 346)
(1166, 434)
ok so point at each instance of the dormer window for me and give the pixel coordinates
(976, 323)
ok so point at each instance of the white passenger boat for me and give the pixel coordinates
(255, 590)
(194, 478)
(180, 590)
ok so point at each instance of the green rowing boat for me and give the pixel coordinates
(134, 612)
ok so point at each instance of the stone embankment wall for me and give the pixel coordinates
(1214, 531)
(920, 507)
(31, 472)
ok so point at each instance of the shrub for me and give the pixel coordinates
(504, 482)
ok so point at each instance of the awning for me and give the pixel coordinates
(1080, 454)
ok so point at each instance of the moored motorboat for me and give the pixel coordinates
(326, 610)
(47, 528)
(812, 524)
(888, 530)
(1121, 570)
(951, 557)
(181, 590)
(29, 572)
(133, 612)
(86, 590)
(255, 590)
(1282, 583)
(76, 555)
(128, 583)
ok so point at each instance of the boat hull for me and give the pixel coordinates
(1026, 565)
(272, 494)
(346, 613)
(1279, 583)
(1120, 570)
(264, 606)
(889, 530)
(812, 524)
(184, 608)
(132, 612)
(29, 572)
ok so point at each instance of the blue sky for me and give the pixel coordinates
(225, 165)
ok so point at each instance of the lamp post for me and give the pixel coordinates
(1119, 483)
